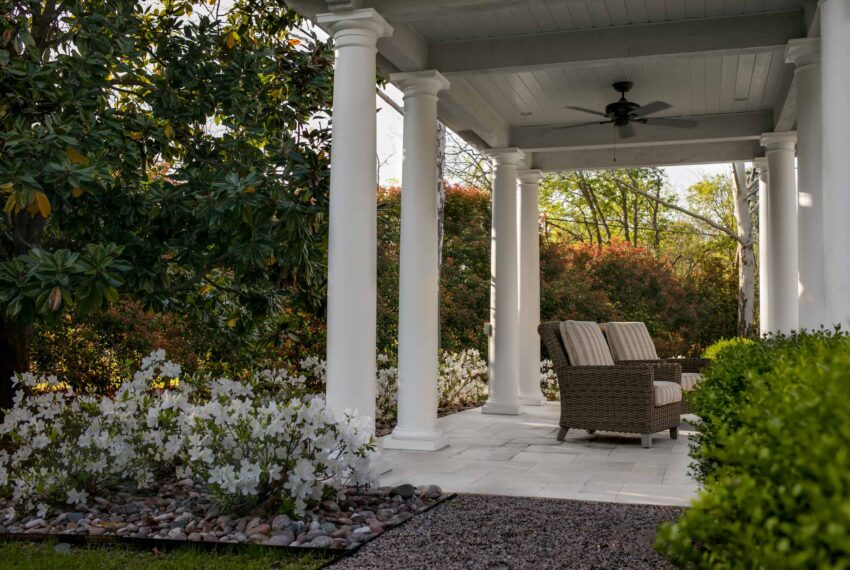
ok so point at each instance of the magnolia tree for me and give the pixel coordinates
(167, 152)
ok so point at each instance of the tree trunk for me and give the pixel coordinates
(746, 254)
(15, 342)
(654, 208)
(441, 190)
(635, 220)
(598, 217)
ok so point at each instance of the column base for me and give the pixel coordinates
(501, 408)
(415, 440)
(537, 399)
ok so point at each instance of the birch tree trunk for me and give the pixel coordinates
(746, 253)
(441, 190)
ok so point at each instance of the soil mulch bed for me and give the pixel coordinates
(386, 428)
(483, 531)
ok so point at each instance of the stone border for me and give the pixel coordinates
(167, 544)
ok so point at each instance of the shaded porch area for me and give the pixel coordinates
(519, 455)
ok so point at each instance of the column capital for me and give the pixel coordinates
(357, 27)
(779, 141)
(529, 176)
(760, 163)
(429, 82)
(508, 156)
(803, 52)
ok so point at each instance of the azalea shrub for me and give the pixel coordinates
(461, 381)
(773, 458)
(463, 378)
(549, 380)
(264, 440)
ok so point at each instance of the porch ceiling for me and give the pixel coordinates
(515, 65)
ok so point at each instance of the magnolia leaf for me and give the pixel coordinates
(232, 323)
(204, 289)
(43, 204)
(76, 156)
(111, 294)
(76, 192)
(136, 136)
(54, 301)
(230, 39)
(250, 189)
(7, 187)
(168, 131)
(11, 206)
(294, 42)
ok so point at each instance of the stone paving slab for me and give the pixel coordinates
(520, 456)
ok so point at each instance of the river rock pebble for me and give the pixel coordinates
(183, 511)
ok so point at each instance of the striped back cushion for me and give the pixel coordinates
(585, 344)
(630, 341)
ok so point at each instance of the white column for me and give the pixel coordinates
(529, 288)
(352, 248)
(760, 164)
(418, 309)
(782, 225)
(835, 48)
(805, 55)
(504, 299)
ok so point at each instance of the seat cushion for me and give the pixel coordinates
(666, 393)
(630, 341)
(585, 344)
(690, 380)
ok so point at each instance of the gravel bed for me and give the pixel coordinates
(482, 531)
(184, 512)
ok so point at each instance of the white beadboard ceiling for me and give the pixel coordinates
(694, 85)
(515, 65)
(442, 23)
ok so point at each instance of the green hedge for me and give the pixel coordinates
(773, 453)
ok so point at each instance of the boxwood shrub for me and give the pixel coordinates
(773, 453)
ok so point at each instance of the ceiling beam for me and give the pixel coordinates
(464, 110)
(711, 35)
(645, 156)
(786, 111)
(710, 128)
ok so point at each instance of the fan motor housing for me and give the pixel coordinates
(620, 111)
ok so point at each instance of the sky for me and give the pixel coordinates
(390, 128)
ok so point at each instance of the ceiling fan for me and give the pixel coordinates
(624, 113)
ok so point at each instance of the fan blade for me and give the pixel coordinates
(677, 123)
(581, 125)
(591, 111)
(626, 131)
(651, 108)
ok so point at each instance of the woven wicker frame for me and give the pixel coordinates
(610, 398)
(695, 365)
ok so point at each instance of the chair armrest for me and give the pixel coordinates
(606, 385)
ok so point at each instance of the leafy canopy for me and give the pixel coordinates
(170, 152)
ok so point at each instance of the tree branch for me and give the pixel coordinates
(692, 214)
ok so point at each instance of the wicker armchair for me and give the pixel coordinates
(611, 398)
(643, 341)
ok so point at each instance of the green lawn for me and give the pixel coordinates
(42, 557)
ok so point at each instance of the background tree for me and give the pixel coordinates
(722, 203)
(168, 153)
(597, 206)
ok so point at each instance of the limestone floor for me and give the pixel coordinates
(520, 456)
